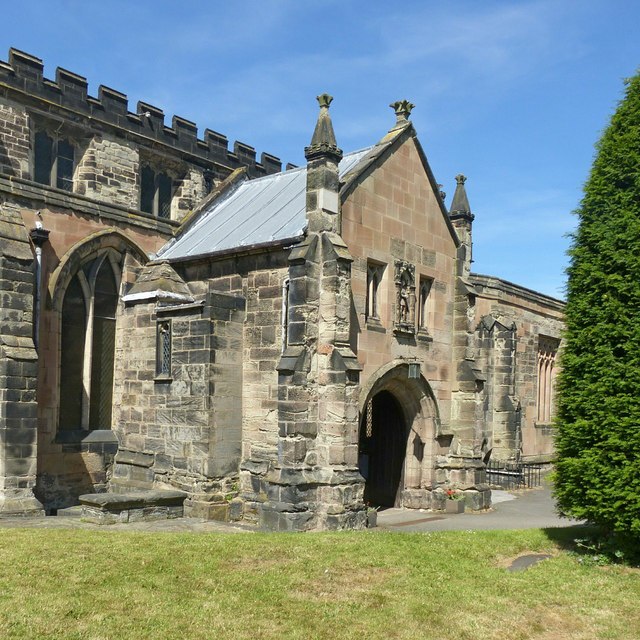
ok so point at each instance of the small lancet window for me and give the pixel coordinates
(156, 193)
(374, 278)
(163, 349)
(423, 307)
(286, 286)
(53, 160)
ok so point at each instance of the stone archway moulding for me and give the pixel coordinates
(380, 380)
(101, 240)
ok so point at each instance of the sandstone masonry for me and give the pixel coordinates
(186, 329)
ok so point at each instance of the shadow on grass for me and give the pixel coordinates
(593, 544)
(566, 537)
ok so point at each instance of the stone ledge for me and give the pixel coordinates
(135, 458)
(57, 199)
(74, 436)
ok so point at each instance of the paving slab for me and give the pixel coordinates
(523, 509)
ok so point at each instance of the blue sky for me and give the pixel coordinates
(512, 94)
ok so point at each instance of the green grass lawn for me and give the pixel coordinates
(113, 585)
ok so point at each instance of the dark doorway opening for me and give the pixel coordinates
(382, 449)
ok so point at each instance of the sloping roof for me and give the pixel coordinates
(254, 212)
(159, 281)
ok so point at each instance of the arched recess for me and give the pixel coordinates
(84, 292)
(398, 425)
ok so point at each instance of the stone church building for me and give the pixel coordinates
(285, 347)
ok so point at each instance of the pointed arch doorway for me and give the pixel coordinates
(396, 443)
(382, 449)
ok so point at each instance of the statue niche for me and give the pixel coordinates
(405, 281)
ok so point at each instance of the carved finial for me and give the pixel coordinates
(324, 100)
(443, 193)
(460, 204)
(323, 142)
(403, 110)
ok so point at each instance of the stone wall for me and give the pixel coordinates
(14, 141)
(259, 279)
(18, 369)
(262, 351)
(521, 318)
(393, 215)
(189, 191)
(106, 166)
(107, 170)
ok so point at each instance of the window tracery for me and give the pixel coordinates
(547, 355)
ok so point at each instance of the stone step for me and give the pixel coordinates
(70, 512)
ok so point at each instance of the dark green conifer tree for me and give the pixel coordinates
(598, 413)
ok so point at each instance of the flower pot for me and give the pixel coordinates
(454, 506)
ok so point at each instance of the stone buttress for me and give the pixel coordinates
(18, 369)
(464, 467)
(315, 482)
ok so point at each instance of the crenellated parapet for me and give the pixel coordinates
(68, 96)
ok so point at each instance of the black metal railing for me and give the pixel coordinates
(514, 475)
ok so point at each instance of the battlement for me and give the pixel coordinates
(24, 74)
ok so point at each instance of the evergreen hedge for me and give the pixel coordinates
(598, 412)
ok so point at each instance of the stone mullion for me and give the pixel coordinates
(88, 349)
(552, 378)
(540, 405)
(547, 388)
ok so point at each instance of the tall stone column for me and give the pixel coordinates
(18, 369)
(315, 482)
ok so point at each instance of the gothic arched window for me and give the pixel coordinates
(88, 344)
